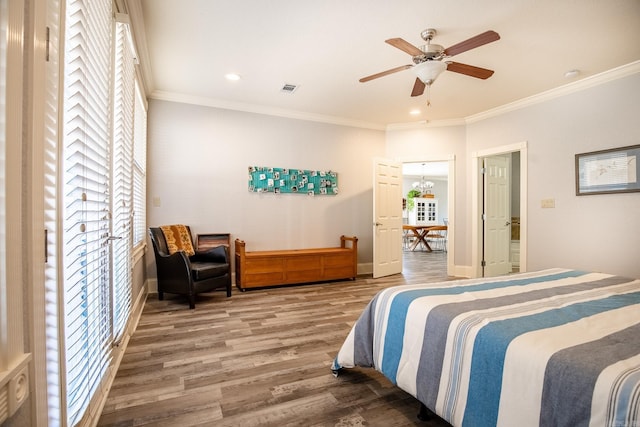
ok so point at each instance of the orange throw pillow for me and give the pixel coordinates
(178, 239)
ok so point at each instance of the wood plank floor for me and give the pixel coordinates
(260, 358)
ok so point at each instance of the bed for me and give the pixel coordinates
(552, 348)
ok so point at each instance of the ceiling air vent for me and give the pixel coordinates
(288, 88)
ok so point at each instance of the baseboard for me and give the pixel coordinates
(153, 285)
(365, 268)
(463, 271)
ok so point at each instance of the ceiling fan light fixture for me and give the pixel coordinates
(428, 71)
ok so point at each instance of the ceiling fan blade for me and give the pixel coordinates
(405, 46)
(472, 43)
(418, 88)
(469, 70)
(384, 73)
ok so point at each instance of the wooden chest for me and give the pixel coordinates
(256, 269)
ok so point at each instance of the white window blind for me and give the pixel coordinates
(123, 106)
(139, 169)
(86, 201)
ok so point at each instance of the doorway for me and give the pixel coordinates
(499, 239)
(435, 178)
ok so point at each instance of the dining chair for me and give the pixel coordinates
(437, 237)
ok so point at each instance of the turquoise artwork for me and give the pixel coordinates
(283, 180)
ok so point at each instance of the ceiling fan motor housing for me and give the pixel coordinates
(431, 52)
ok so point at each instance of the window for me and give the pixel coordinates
(89, 131)
(121, 200)
(97, 198)
(86, 201)
(139, 169)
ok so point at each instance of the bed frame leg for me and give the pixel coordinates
(424, 414)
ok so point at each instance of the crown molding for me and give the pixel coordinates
(586, 83)
(134, 9)
(261, 109)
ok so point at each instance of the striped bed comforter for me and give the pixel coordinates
(551, 348)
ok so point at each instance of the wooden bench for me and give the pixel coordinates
(259, 269)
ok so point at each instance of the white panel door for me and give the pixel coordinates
(497, 209)
(387, 217)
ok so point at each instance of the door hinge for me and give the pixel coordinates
(46, 47)
(483, 170)
(483, 263)
(484, 217)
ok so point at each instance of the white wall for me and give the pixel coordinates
(597, 232)
(198, 159)
(589, 232)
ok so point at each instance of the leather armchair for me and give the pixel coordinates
(181, 274)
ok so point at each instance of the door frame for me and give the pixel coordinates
(451, 196)
(477, 158)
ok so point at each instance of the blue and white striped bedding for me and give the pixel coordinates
(551, 348)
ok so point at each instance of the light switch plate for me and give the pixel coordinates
(548, 203)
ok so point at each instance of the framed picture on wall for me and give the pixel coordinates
(608, 171)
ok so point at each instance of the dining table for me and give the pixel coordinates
(420, 233)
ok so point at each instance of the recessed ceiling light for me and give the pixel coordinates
(571, 73)
(414, 112)
(232, 76)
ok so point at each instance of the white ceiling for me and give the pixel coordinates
(325, 46)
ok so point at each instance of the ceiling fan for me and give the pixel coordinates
(430, 59)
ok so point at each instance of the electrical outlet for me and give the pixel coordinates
(548, 203)
(156, 202)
